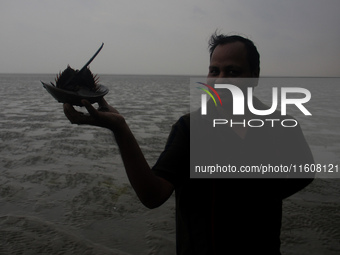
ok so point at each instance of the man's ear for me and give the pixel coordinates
(256, 74)
(254, 81)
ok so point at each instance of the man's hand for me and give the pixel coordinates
(105, 116)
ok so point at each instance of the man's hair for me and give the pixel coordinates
(252, 53)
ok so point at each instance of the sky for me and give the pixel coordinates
(294, 37)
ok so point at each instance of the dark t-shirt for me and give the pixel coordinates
(232, 216)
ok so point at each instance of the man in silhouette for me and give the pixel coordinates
(214, 216)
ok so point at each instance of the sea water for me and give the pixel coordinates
(63, 189)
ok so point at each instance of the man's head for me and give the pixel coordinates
(241, 47)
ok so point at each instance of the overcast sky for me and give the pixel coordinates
(294, 37)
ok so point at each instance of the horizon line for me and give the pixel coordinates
(189, 75)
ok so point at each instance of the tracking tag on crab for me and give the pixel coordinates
(71, 86)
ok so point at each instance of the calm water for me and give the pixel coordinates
(63, 189)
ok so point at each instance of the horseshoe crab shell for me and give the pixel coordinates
(72, 85)
(75, 97)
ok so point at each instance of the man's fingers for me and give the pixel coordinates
(92, 111)
(71, 113)
(76, 117)
(95, 117)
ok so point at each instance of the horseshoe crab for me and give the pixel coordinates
(71, 86)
